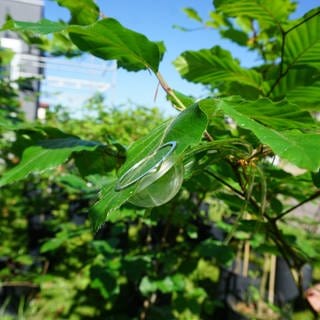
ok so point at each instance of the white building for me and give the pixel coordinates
(21, 67)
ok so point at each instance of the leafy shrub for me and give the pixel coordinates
(234, 207)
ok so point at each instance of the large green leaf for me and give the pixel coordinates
(307, 97)
(298, 148)
(108, 39)
(215, 66)
(302, 45)
(46, 155)
(186, 129)
(83, 12)
(268, 13)
(280, 115)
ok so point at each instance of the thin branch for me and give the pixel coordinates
(312, 197)
(19, 284)
(283, 36)
(286, 250)
(225, 183)
(208, 136)
(281, 75)
(302, 22)
(243, 210)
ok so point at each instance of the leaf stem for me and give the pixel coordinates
(243, 212)
(179, 105)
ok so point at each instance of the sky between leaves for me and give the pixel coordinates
(155, 19)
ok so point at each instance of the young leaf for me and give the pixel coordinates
(186, 129)
(44, 26)
(192, 14)
(44, 156)
(109, 40)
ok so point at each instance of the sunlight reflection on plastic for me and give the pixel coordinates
(159, 177)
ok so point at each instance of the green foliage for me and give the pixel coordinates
(295, 146)
(83, 12)
(249, 154)
(48, 154)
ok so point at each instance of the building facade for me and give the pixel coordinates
(26, 61)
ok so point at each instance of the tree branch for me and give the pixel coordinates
(225, 183)
(312, 197)
(302, 22)
(283, 36)
(281, 75)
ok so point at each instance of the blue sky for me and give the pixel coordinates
(155, 19)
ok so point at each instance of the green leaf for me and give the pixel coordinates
(268, 13)
(103, 159)
(214, 67)
(44, 26)
(53, 244)
(75, 183)
(298, 148)
(6, 56)
(146, 285)
(316, 178)
(186, 129)
(214, 249)
(307, 97)
(166, 285)
(109, 40)
(144, 146)
(302, 46)
(44, 156)
(279, 115)
(237, 36)
(300, 86)
(192, 14)
(83, 12)
(106, 39)
(104, 280)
